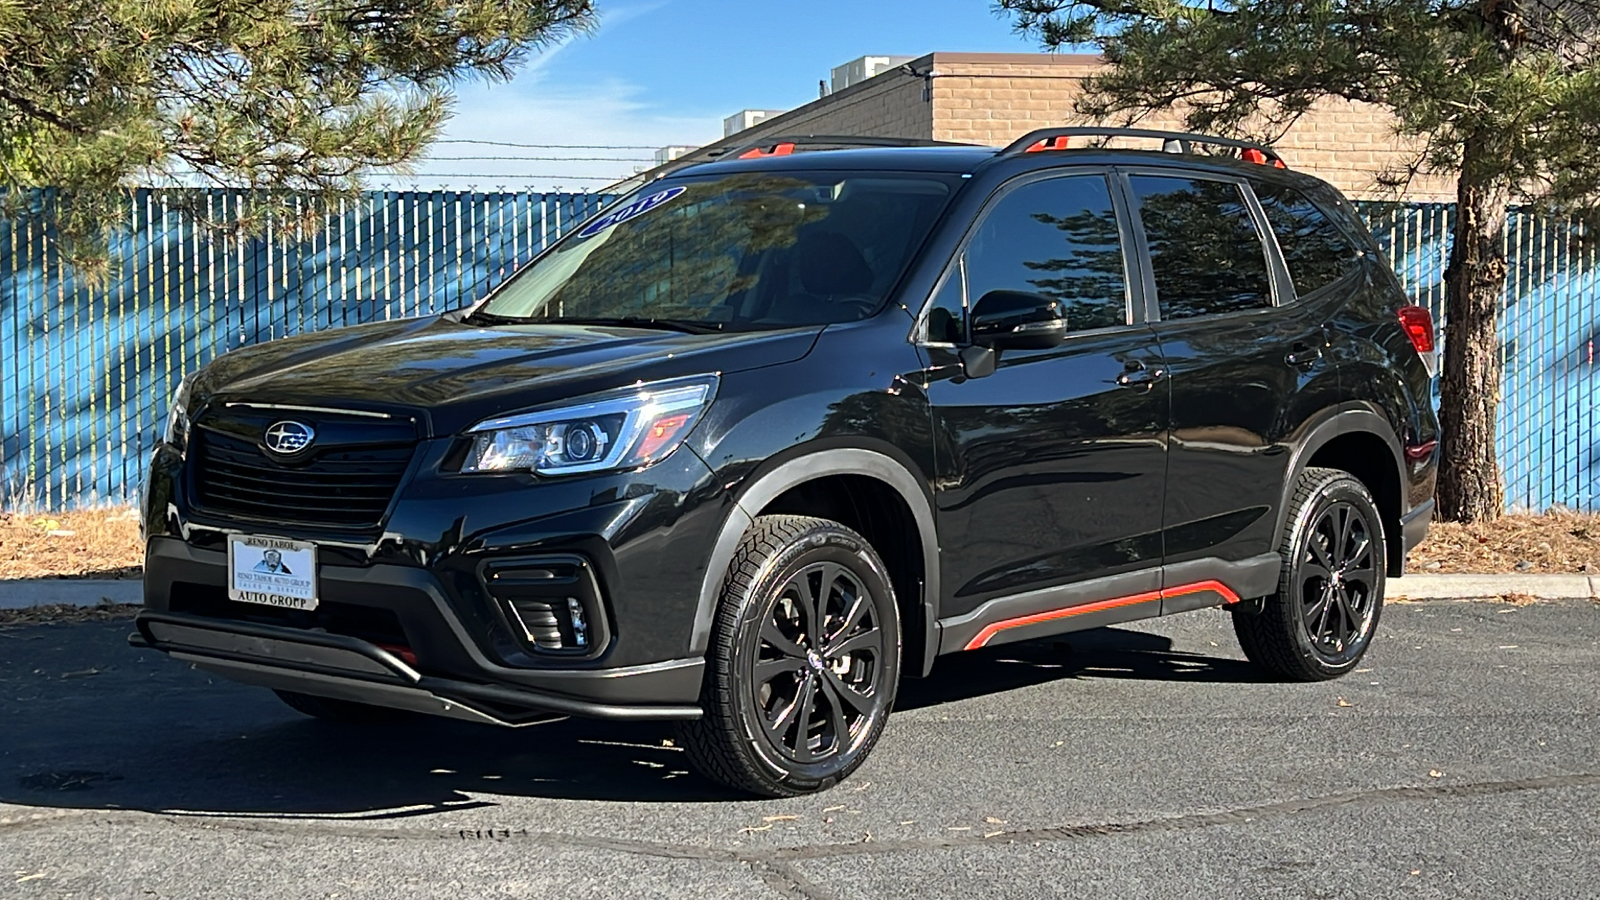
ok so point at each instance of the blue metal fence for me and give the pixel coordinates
(86, 370)
(1548, 444)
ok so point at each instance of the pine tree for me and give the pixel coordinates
(279, 98)
(1502, 94)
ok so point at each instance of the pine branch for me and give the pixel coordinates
(33, 110)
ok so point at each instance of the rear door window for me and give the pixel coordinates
(1205, 250)
(1315, 250)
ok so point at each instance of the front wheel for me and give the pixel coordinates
(1330, 591)
(803, 663)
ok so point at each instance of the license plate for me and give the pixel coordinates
(272, 571)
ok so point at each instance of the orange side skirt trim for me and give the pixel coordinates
(989, 631)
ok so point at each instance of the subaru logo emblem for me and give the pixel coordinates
(288, 438)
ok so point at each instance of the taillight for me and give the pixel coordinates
(1418, 324)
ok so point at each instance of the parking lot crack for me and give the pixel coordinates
(775, 866)
(1195, 821)
(786, 880)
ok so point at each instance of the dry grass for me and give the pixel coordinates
(98, 543)
(1556, 542)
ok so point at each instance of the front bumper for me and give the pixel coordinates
(448, 672)
(435, 587)
(348, 668)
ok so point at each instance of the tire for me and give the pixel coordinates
(1317, 627)
(793, 701)
(347, 711)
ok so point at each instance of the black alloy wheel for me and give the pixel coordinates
(1330, 591)
(1337, 581)
(803, 663)
(821, 648)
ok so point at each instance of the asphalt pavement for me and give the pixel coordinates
(1142, 761)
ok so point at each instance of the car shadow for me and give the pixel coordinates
(89, 723)
(1116, 653)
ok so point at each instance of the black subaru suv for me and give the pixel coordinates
(778, 430)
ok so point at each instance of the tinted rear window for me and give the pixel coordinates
(1315, 250)
(1204, 248)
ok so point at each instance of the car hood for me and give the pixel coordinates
(451, 375)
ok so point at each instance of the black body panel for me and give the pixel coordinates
(1050, 470)
(1236, 402)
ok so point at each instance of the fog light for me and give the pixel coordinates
(552, 602)
(580, 628)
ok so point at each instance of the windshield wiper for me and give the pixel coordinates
(488, 318)
(687, 326)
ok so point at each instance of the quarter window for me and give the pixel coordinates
(1315, 250)
(1204, 247)
(1057, 238)
(947, 316)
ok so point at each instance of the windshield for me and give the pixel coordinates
(739, 252)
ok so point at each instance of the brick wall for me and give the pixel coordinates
(995, 98)
(889, 105)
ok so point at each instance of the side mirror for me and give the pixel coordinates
(1017, 320)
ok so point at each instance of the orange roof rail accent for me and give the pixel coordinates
(1260, 158)
(1053, 143)
(1055, 138)
(783, 149)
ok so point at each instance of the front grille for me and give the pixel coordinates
(348, 488)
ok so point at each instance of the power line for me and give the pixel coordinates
(546, 158)
(555, 146)
(414, 176)
(420, 175)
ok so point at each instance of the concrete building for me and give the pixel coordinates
(667, 154)
(859, 70)
(994, 98)
(745, 119)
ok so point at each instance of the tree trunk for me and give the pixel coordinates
(1469, 390)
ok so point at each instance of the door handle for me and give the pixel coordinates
(1303, 354)
(1137, 374)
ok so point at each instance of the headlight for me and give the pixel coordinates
(177, 431)
(621, 430)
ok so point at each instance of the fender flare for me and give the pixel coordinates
(761, 490)
(1350, 417)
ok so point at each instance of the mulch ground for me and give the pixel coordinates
(95, 543)
(1556, 542)
(105, 544)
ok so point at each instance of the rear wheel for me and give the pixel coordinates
(803, 663)
(334, 710)
(1330, 591)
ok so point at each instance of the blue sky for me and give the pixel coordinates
(659, 72)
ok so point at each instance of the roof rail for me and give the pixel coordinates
(783, 145)
(1174, 142)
